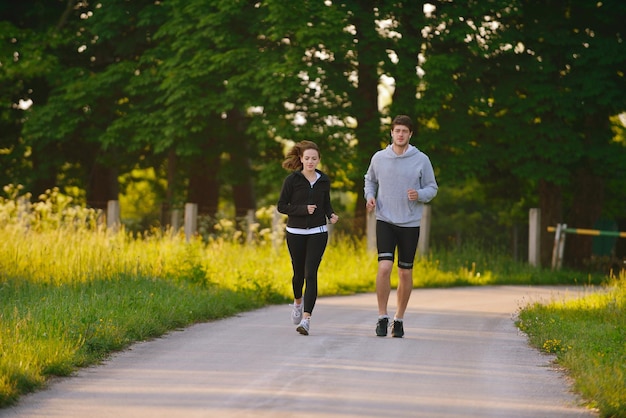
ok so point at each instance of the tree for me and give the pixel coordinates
(30, 31)
(521, 85)
(573, 55)
(80, 93)
(512, 100)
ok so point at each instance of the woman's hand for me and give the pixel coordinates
(311, 208)
(334, 218)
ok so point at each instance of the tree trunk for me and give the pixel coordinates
(172, 186)
(203, 188)
(586, 210)
(588, 190)
(551, 205)
(404, 71)
(365, 104)
(241, 168)
(45, 172)
(103, 186)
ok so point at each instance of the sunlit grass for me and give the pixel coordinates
(72, 292)
(588, 337)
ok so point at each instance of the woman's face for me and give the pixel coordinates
(310, 159)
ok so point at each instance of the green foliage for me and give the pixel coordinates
(140, 200)
(508, 94)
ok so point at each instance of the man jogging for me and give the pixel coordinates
(399, 180)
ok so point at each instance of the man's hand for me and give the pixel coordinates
(371, 204)
(412, 194)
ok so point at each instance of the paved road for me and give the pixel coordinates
(461, 356)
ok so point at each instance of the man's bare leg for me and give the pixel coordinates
(383, 285)
(405, 286)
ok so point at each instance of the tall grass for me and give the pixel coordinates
(72, 292)
(69, 298)
(588, 337)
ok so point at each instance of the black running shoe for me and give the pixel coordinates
(381, 327)
(397, 329)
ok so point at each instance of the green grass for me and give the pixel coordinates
(71, 293)
(588, 337)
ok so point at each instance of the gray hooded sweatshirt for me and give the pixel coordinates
(388, 179)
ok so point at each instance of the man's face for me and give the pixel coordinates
(401, 135)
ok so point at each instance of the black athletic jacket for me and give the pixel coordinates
(297, 193)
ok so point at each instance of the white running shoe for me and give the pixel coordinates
(303, 328)
(296, 314)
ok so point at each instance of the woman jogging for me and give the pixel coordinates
(305, 199)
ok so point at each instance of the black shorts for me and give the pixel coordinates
(389, 237)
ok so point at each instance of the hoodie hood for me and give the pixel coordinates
(410, 151)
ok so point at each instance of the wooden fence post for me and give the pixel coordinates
(176, 220)
(534, 237)
(371, 230)
(277, 232)
(424, 241)
(23, 210)
(559, 246)
(113, 215)
(330, 228)
(249, 223)
(191, 220)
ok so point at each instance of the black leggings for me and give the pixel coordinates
(306, 255)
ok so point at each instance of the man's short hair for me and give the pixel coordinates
(402, 120)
